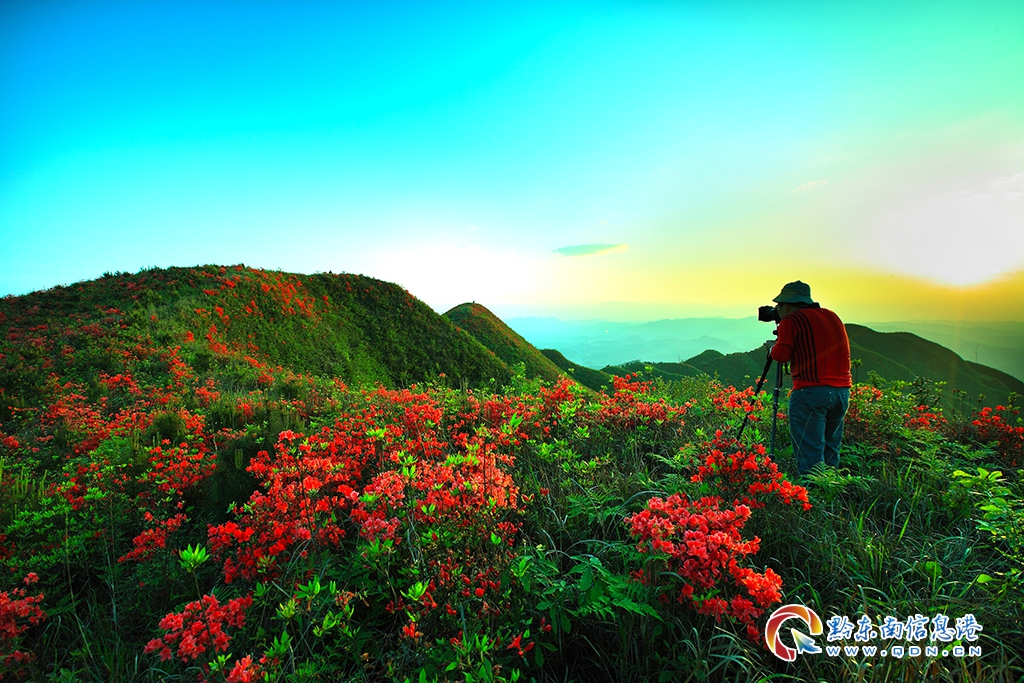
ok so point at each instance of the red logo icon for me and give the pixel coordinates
(804, 643)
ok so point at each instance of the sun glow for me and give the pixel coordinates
(968, 237)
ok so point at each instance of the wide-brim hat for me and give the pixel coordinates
(795, 293)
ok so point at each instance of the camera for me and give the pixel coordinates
(768, 314)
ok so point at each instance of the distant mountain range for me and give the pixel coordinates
(890, 355)
(596, 343)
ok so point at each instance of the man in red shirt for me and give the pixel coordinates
(813, 340)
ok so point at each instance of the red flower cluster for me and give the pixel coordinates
(631, 405)
(747, 475)
(10, 442)
(79, 418)
(151, 541)
(287, 291)
(199, 627)
(517, 645)
(18, 611)
(182, 468)
(701, 544)
(1009, 439)
(395, 470)
(245, 671)
(207, 394)
(926, 418)
(731, 399)
(306, 487)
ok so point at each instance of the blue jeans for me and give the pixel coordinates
(816, 425)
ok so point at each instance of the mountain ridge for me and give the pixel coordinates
(893, 356)
(596, 343)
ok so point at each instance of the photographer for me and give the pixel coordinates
(813, 340)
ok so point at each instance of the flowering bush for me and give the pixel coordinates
(701, 547)
(925, 418)
(153, 540)
(632, 404)
(747, 475)
(18, 612)
(990, 427)
(200, 627)
(868, 418)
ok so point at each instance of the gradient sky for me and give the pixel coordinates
(617, 160)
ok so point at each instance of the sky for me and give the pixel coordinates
(617, 160)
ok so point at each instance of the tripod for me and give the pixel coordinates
(775, 400)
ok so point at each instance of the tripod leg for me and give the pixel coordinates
(757, 390)
(775, 408)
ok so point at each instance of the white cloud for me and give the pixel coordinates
(1009, 187)
(809, 185)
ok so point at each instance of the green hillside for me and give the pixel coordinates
(592, 379)
(238, 323)
(893, 356)
(502, 340)
(905, 356)
(665, 370)
(997, 344)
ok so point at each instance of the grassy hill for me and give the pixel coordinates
(906, 356)
(997, 345)
(592, 379)
(890, 355)
(236, 323)
(502, 340)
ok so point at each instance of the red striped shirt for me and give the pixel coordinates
(814, 341)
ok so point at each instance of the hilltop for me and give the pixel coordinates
(502, 340)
